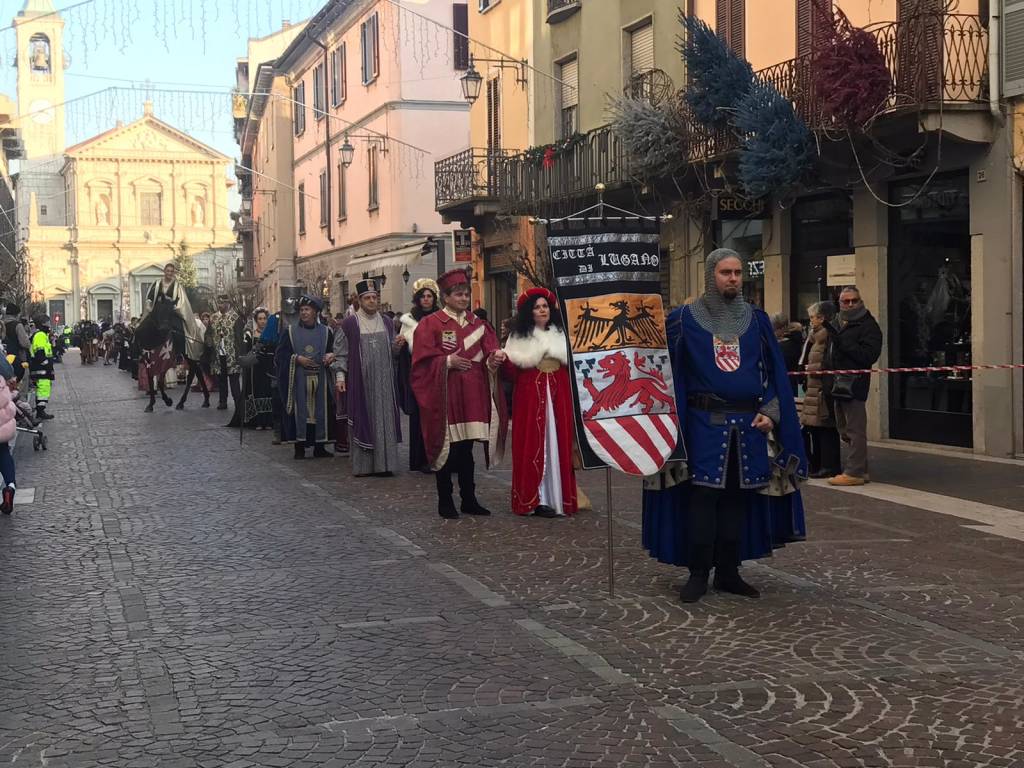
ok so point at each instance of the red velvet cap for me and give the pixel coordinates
(529, 293)
(452, 278)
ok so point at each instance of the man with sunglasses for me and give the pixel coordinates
(856, 343)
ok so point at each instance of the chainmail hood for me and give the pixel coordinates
(724, 318)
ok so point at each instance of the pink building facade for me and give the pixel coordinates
(376, 99)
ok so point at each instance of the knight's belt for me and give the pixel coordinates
(702, 401)
(548, 365)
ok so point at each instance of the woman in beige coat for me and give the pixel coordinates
(817, 414)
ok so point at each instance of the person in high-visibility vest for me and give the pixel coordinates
(41, 365)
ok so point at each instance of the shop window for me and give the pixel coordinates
(930, 310)
(822, 229)
(745, 237)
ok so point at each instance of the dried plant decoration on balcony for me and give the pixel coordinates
(719, 78)
(850, 74)
(654, 135)
(778, 150)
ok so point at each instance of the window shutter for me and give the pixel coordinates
(641, 50)
(375, 42)
(363, 42)
(1013, 48)
(722, 19)
(738, 26)
(494, 114)
(812, 19)
(570, 83)
(343, 56)
(460, 25)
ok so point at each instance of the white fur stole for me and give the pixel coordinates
(528, 351)
(408, 328)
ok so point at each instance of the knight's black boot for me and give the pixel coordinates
(695, 587)
(445, 502)
(300, 450)
(319, 452)
(467, 486)
(728, 579)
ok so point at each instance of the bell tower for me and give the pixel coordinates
(41, 62)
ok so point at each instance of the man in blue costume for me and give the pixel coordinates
(304, 356)
(741, 432)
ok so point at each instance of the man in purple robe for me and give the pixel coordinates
(364, 351)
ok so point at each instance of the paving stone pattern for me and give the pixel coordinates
(171, 599)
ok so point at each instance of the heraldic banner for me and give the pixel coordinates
(608, 287)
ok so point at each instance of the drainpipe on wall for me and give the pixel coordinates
(994, 74)
(327, 140)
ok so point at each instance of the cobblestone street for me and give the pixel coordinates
(170, 599)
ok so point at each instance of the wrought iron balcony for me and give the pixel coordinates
(559, 10)
(470, 177)
(932, 59)
(536, 186)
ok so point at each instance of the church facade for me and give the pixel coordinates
(98, 220)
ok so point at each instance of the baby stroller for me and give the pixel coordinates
(26, 420)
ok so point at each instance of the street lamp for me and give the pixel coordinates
(471, 83)
(405, 275)
(348, 152)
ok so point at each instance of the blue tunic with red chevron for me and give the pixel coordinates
(737, 370)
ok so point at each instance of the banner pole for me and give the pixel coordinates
(611, 533)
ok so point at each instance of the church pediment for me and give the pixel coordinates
(147, 137)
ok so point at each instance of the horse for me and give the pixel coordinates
(161, 335)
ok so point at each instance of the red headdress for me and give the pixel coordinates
(529, 293)
(452, 278)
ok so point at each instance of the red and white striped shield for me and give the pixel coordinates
(727, 355)
(628, 408)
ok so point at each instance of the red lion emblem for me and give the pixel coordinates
(623, 387)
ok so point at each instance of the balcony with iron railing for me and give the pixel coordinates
(599, 157)
(560, 10)
(469, 178)
(933, 60)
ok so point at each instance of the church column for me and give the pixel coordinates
(75, 311)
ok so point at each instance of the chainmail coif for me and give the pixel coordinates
(725, 318)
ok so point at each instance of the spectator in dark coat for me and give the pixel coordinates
(856, 343)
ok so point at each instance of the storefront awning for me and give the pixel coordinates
(375, 263)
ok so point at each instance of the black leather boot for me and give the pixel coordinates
(467, 485)
(729, 580)
(300, 451)
(695, 587)
(445, 502)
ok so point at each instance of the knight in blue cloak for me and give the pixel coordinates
(735, 495)
(305, 351)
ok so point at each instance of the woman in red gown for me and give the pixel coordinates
(543, 483)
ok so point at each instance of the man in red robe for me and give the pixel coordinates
(454, 364)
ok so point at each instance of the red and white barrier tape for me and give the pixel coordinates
(929, 369)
